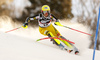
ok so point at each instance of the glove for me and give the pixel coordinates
(25, 25)
(58, 24)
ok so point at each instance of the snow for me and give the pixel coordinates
(21, 45)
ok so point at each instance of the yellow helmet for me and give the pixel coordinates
(45, 9)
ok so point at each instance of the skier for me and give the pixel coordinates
(47, 29)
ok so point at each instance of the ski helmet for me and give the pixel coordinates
(45, 9)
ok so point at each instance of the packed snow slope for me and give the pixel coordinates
(21, 44)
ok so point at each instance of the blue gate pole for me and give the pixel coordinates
(96, 35)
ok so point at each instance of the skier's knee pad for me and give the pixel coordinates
(54, 40)
(48, 33)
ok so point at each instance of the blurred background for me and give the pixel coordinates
(13, 12)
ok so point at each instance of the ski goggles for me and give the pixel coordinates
(45, 12)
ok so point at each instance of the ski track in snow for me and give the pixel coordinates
(21, 44)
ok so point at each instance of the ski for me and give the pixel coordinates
(61, 46)
(72, 51)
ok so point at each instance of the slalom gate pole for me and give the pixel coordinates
(78, 30)
(13, 29)
(96, 35)
(55, 38)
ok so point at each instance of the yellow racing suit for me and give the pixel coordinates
(47, 29)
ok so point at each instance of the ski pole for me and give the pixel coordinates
(13, 29)
(77, 30)
(55, 38)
